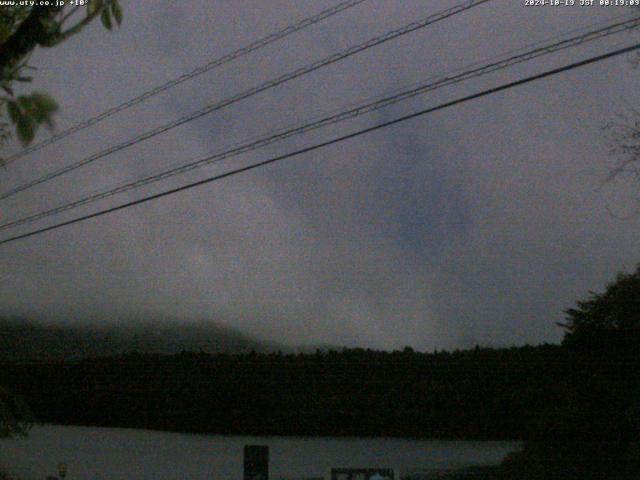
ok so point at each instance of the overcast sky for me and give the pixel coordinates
(477, 224)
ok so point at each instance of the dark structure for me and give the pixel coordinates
(256, 462)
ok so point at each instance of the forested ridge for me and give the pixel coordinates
(24, 340)
(482, 393)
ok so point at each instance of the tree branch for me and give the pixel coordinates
(69, 15)
(61, 37)
(33, 31)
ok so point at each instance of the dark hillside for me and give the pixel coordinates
(33, 341)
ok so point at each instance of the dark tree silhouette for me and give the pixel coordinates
(608, 320)
(593, 430)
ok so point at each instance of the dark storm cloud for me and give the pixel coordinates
(480, 223)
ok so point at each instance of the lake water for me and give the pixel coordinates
(115, 453)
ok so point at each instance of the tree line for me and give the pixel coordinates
(576, 405)
(482, 393)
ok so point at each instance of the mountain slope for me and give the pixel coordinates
(23, 340)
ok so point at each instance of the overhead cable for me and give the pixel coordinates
(327, 143)
(411, 27)
(332, 119)
(218, 62)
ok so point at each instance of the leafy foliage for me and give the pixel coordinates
(27, 112)
(24, 28)
(608, 320)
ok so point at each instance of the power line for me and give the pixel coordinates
(335, 118)
(252, 47)
(411, 27)
(327, 143)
